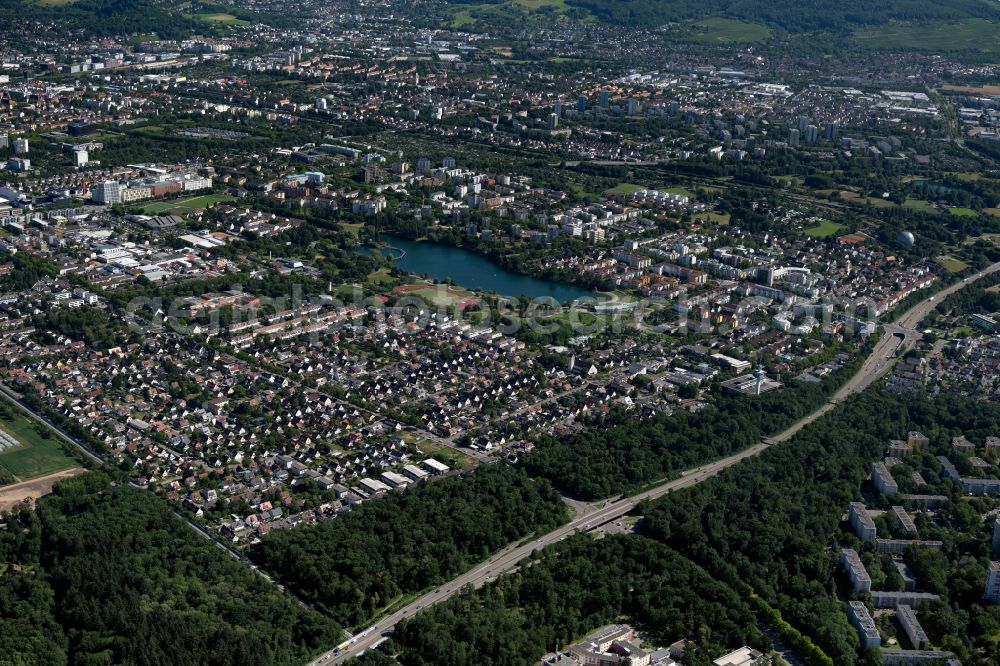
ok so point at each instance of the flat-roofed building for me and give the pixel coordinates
(992, 593)
(904, 520)
(907, 619)
(394, 480)
(900, 657)
(855, 568)
(898, 546)
(883, 480)
(862, 621)
(891, 599)
(862, 523)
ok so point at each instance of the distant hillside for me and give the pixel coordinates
(791, 15)
(103, 17)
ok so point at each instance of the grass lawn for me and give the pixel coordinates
(37, 455)
(712, 216)
(920, 204)
(726, 31)
(441, 295)
(970, 34)
(962, 212)
(951, 264)
(625, 188)
(449, 456)
(823, 229)
(874, 202)
(182, 206)
(351, 228)
(219, 17)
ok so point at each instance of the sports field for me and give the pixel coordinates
(184, 206)
(37, 452)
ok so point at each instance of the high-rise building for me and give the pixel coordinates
(812, 133)
(557, 108)
(793, 138)
(553, 121)
(448, 163)
(803, 123)
(4, 141)
(108, 192)
(80, 157)
(321, 104)
(632, 107)
(992, 593)
(603, 100)
(20, 146)
(831, 130)
(996, 536)
(581, 103)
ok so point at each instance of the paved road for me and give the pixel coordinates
(878, 362)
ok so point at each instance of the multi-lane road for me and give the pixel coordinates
(901, 333)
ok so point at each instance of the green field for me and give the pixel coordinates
(219, 17)
(728, 31)
(823, 229)
(920, 204)
(962, 212)
(951, 264)
(182, 206)
(37, 456)
(968, 35)
(624, 188)
(512, 11)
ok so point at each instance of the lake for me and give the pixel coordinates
(473, 271)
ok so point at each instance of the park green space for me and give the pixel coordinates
(951, 264)
(720, 30)
(37, 456)
(919, 204)
(968, 35)
(182, 206)
(467, 14)
(823, 229)
(219, 17)
(959, 211)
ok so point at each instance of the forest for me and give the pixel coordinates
(403, 543)
(795, 17)
(580, 585)
(626, 454)
(103, 573)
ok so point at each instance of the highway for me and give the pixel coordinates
(903, 332)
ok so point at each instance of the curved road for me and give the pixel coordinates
(901, 333)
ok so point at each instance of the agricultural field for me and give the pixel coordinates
(824, 229)
(184, 206)
(37, 455)
(728, 31)
(968, 35)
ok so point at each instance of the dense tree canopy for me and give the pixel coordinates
(405, 542)
(106, 574)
